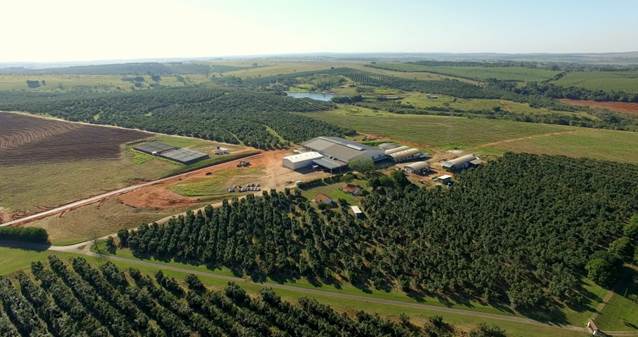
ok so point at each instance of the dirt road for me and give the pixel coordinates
(103, 196)
(83, 248)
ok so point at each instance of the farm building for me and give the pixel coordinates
(407, 155)
(444, 179)
(356, 211)
(396, 149)
(184, 156)
(352, 189)
(153, 148)
(301, 160)
(322, 199)
(221, 151)
(419, 168)
(331, 153)
(461, 163)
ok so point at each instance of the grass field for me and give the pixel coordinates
(215, 187)
(39, 186)
(413, 75)
(432, 131)
(621, 312)
(12, 260)
(488, 136)
(477, 72)
(33, 187)
(334, 192)
(279, 68)
(100, 219)
(602, 80)
(588, 143)
(424, 101)
(61, 82)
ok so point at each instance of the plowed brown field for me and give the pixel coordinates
(25, 139)
(627, 108)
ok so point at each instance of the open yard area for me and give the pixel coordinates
(176, 195)
(488, 136)
(46, 163)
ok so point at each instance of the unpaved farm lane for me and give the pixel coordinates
(103, 196)
(83, 249)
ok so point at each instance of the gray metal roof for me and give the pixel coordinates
(183, 155)
(153, 147)
(329, 163)
(342, 149)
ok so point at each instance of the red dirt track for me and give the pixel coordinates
(25, 139)
(624, 107)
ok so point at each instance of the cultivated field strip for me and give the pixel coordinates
(18, 130)
(78, 299)
(27, 140)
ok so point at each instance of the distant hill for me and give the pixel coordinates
(154, 68)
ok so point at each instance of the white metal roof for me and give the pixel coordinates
(404, 153)
(311, 155)
(459, 160)
(355, 209)
(418, 165)
(396, 149)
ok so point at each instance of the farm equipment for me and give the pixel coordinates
(243, 163)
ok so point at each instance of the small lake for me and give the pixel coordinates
(319, 96)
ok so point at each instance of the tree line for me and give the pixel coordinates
(518, 231)
(78, 299)
(231, 116)
(24, 234)
(546, 89)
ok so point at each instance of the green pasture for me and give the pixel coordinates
(602, 80)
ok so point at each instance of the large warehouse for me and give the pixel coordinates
(331, 153)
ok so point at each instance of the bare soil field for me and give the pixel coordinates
(25, 140)
(624, 107)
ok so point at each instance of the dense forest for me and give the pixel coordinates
(231, 116)
(518, 230)
(550, 90)
(80, 300)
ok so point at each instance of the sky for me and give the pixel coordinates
(84, 30)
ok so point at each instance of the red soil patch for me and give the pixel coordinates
(624, 107)
(159, 196)
(25, 139)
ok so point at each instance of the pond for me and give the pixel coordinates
(319, 96)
